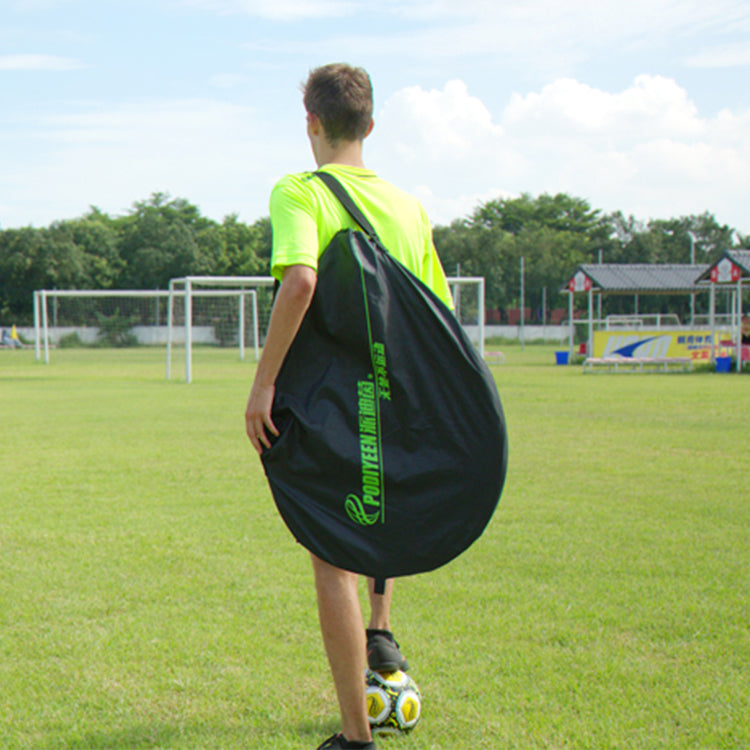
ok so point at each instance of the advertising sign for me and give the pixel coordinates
(656, 342)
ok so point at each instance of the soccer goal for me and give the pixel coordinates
(468, 302)
(128, 318)
(101, 318)
(205, 310)
(188, 314)
(228, 311)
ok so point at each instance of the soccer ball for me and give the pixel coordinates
(394, 703)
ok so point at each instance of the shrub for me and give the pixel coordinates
(70, 341)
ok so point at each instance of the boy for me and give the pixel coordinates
(305, 215)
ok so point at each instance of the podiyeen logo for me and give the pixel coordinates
(368, 507)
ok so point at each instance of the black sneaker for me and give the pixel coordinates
(339, 742)
(383, 654)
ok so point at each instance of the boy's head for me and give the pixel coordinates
(340, 96)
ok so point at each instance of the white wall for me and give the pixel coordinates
(145, 334)
(530, 333)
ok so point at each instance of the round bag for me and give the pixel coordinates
(392, 451)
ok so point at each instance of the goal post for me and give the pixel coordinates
(95, 317)
(468, 296)
(224, 311)
(224, 323)
(469, 307)
(254, 295)
(121, 318)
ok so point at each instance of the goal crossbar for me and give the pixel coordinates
(42, 297)
(41, 315)
(467, 291)
(189, 287)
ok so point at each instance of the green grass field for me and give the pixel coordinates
(151, 597)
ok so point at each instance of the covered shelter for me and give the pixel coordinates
(732, 269)
(631, 279)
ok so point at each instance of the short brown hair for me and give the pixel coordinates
(341, 97)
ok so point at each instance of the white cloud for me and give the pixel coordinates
(436, 138)
(732, 55)
(647, 146)
(653, 103)
(210, 152)
(444, 209)
(38, 62)
(542, 32)
(283, 10)
(530, 40)
(652, 136)
(643, 150)
(451, 120)
(228, 80)
(32, 6)
(579, 17)
(582, 17)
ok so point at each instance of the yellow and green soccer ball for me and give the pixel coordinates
(394, 703)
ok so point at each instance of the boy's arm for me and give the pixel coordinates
(292, 300)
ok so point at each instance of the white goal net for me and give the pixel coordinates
(188, 293)
(231, 311)
(128, 318)
(194, 316)
(102, 318)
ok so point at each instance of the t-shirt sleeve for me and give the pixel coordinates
(295, 234)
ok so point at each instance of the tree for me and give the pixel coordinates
(95, 236)
(561, 212)
(552, 233)
(159, 241)
(665, 241)
(248, 248)
(162, 238)
(21, 271)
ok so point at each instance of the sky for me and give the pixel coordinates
(641, 106)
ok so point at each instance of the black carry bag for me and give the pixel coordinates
(393, 451)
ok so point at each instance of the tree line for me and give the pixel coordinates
(162, 238)
(555, 234)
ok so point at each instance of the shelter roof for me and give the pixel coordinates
(733, 265)
(638, 278)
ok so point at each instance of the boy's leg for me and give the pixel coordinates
(383, 653)
(380, 605)
(343, 632)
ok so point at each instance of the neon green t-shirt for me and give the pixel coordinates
(305, 215)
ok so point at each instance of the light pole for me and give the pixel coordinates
(523, 303)
(693, 239)
(692, 263)
(599, 301)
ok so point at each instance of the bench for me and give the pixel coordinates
(639, 364)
